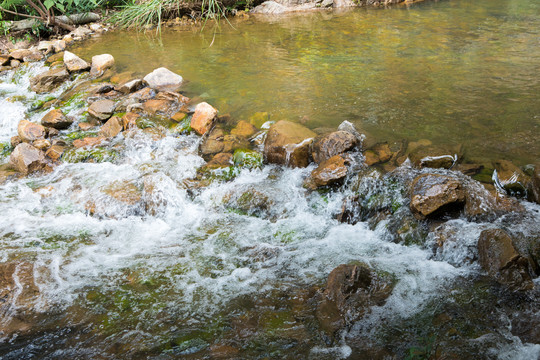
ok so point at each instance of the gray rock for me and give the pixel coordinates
(74, 63)
(49, 80)
(27, 159)
(100, 63)
(163, 79)
(102, 109)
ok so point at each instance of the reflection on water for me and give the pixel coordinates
(452, 71)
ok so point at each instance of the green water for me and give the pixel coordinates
(456, 72)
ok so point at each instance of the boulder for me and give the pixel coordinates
(233, 142)
(102, 109)
(88, 142)
(111, 128)
(335, 143)
(74, 63)
(157, 106)
(328, 172)
(4, 60)
(220, 160)
(29, 131)
(26, 55)
(27, 159)
(100, 63)
(129, 120)
(163, 79)
(379, 153)
(244, 129)
(212, 143)
(56, 119)
(49, 80)
(498, 256)
(534, 185)
(143, 94)
(431, 193)
(350, 291)
(288, 143)
(41, 144)
(204, 118)
(15, 140)
(131, 86)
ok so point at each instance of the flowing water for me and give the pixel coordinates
(127, 260)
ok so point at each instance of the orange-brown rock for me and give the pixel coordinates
(15, 140)
(55, 152)
(41, 144)
(379, 153)
(84, 126)
(27, 159)
(203, 119)
(29, 131)
(289, 144)
(88, 142)
(329, 145)
(49, 80)
(244, 129)
(157, 106)
(102, 109)
(433, 192)
(111, 128)
(328, 172)
(129, 120)
(179, 116)
(56, 119)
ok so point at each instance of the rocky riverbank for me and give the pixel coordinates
(419, 192)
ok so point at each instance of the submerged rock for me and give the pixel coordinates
(102, 109)
(330, 171)
(88, 142)
(49, 80)
(204, 118)
(498, 256)
(335, 143)
(534, 185)
(379, 153)
(244, 129)
(350, 291)
(163, 79)
(27, 159)
(56, 119)
(288, 143)
(29, 131)
(75, 63)
(212, 143)
(432, 192)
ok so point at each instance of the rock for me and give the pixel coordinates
(29, 131)
(42, 144)
(74, 63)
(501, 260)
(212, 143)
(100, 63)
(335, 143)
(102, 109)
(111, 128)
(4, 60)
(270, 8)
(56, 119)
(259, 119)
(131, 86)
(432, 156)
(143, 94)
(233, 142)
(534, 185)
(328, 172)
(49, 80)
(88, 142)
(469, 169)
(156, 106)
(349, 127)
(81, 31)
(124, 192)
(204, 118)
(20, 54)
(15, 140)
(288, 143)
(433, 193)
(14, 63)
(129, 120)
(220, 160)
(27, 159)
(163, 79)
(59, 45)
(52, 132)
(244, 129)
(178, 116)
(85, 126)
(55, 152)
(248, 201)
(379, 153)
(350, 291)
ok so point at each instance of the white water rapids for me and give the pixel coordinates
(200, 252)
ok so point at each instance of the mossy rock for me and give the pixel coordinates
(89, 155)
(248, 159)
(183, 127)
(5, 150)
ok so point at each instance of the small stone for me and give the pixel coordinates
(20, 54)
(85, 126)
(163, 79)
(129, 120)
(432, 192)
(143, 95)
(220, 160)
(15, 140)
(111, 128)
(102, 109)
(329, 172)
(42, 144)
(203, 119)
(56, 119)
(29, 131)
(49, 80)
(179, 116)
(59, 46)
(74, 63)
(288, 143)
(4, 60)
(81, 32)
(156, 106)
(88, 142)
(131, 86)
(100, 63)
(335, 143)
(55, 152)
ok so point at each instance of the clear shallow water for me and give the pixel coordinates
(455, 72)
(180, 273)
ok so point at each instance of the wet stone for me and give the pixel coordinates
(330, 171)
(131, 86)
(49, 80)
(56, 119)
(288, 143)
(88, 142)
(204, 118)
(100, 63)
(75, 63)
(41, 144)
(102, 109)
(27, 159)
(244, 129)
(129, 120)
(432, 192)
(55, 152)
(29, 131)
(332, 144)
(111, 128)
(163, 79)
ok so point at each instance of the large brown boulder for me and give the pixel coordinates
(501, 260)
(534, 185)
(330, 171)
(56, 119)
(430, 193)
(212, 143)
(102, 109)
(288, 143)
(27, 159)
(335, 143)
(29, 131)
(350, 291)
(111, 128)
(203, 119)
(49, 80)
